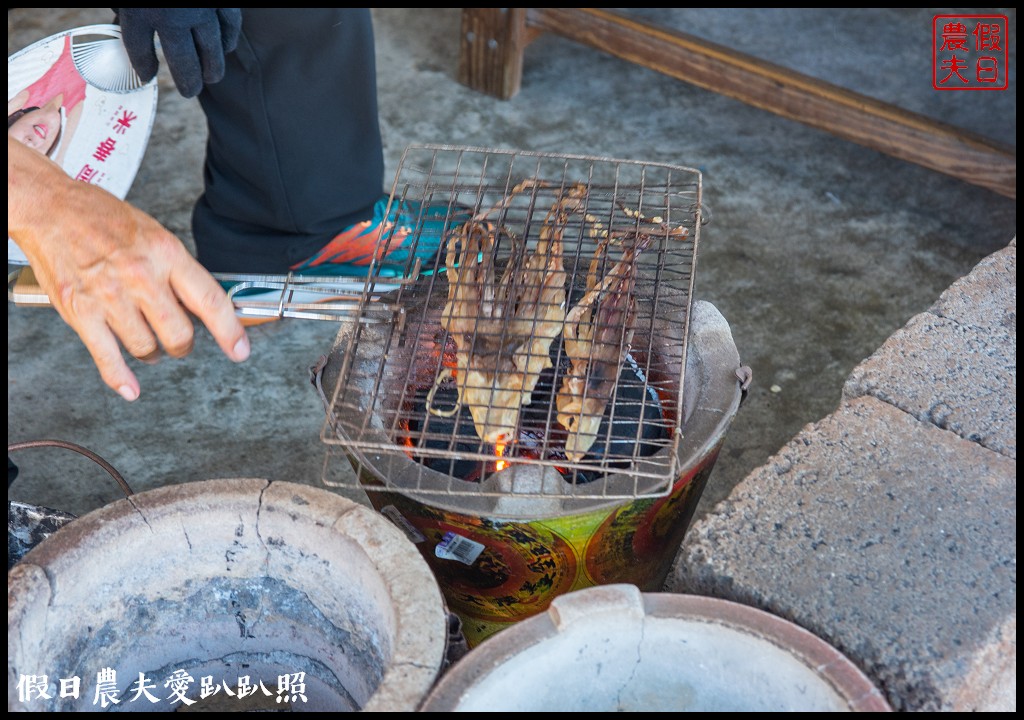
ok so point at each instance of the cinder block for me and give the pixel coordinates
(985, 298)
(888, 537)
(957, 377)
(955, 366)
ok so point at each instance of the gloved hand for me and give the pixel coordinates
(194, 41)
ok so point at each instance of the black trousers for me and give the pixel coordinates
(294, 153)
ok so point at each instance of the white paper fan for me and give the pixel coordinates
(111, 131)
(103, 62)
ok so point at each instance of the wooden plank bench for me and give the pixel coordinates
(494, 40)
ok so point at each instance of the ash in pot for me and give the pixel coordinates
(634, 425)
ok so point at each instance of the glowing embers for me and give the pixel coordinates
(633, 425)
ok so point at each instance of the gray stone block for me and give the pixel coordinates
(986, 298)
(891, 539)
(955, 366)
(958, 377)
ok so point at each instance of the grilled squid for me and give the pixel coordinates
(503, 327)
(597, 334)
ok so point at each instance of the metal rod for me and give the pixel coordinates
(324, 297)
(118, 478)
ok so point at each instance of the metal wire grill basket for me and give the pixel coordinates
(561, 281)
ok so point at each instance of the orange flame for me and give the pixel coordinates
(499, 450)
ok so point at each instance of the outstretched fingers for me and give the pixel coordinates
(204, 297)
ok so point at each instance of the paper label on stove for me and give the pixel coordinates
(456, 547)
(392, 514)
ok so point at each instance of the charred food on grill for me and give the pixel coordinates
(503, 327)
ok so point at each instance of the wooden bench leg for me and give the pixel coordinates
(491, 50)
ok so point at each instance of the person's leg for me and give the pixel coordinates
(294, 153)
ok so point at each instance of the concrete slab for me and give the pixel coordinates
(986, 298)
(956, 365)
(892, 539)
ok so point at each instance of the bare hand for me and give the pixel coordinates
(113, 273)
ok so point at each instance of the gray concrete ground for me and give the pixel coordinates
(818, 250)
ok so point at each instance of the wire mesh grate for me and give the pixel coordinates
(541, 350)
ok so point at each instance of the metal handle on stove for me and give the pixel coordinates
(312, 297)
(326, 297)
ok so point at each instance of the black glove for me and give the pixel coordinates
(194, 41)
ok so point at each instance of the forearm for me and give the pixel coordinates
(67, 228)
(34, 185)
(112, 272)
